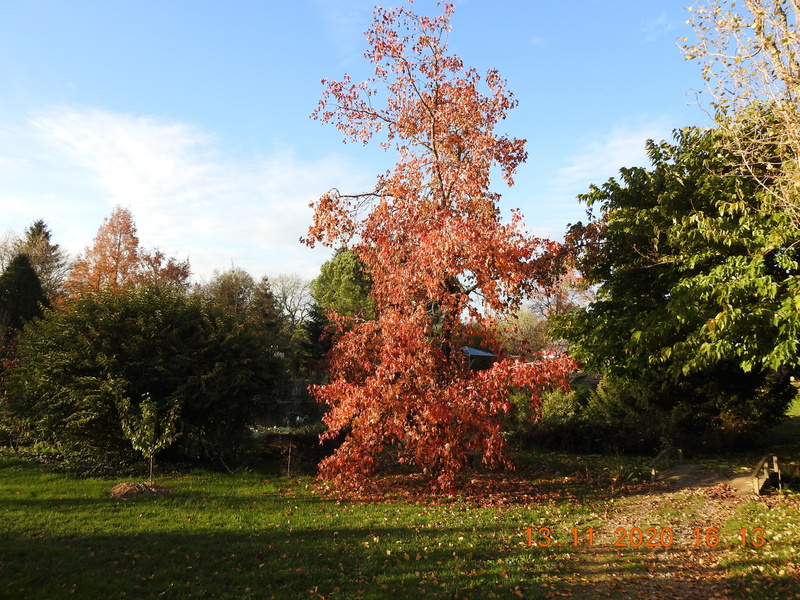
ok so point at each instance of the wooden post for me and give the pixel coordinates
(775, 476)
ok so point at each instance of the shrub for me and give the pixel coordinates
(714, 411)
(79, 365)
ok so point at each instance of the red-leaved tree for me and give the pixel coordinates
(443, 264)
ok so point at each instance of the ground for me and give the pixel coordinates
(673, 519)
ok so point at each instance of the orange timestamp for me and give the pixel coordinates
(649, 537)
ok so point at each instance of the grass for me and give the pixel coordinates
(765, 571)
(765, 565)
(245, 536)
(251, 535)
(794, 409)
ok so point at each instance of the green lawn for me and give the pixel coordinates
(243, 536)
(250, 535)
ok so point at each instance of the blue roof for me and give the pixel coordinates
(470, 351)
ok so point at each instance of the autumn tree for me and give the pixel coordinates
(748, 52)
(530, 328)
(113, 260)
(156, 269)
(49, 260)
(116, 261)
(567, 292)
(443, 263)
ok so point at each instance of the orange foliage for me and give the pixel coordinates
(442, 262)
(115, 261)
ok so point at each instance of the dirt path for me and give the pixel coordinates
(657, 545)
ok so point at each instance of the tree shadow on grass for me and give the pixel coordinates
(377, 563)
(294, 563)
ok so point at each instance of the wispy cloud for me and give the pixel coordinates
(598, 159)
(188, 197)
(657, 26)
(594, 162)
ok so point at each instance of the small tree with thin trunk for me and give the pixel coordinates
(148, 429)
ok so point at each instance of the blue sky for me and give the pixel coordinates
(194, 114)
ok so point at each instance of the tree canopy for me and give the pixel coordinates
(343, 286)
(49, 260)
(21, 295)
(694, 321)
(85, 367)
(697, 275)
(115, 261)
(747, 51)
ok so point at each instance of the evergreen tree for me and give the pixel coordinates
(21, 294)
(48, 259)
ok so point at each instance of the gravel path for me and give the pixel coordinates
(658, 545)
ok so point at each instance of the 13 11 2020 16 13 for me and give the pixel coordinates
(649, 537)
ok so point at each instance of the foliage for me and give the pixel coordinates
(48, 260)
(236, 293)
(21, 295)
(146, 429)
(525, 332)
(748, 54)
(693, 269)
(343, 286)
(185, 354)
(318, 341)
(115, 261)
(529, 329)
(698, 284)
(21, 299)
(441, 261)
(255, 304)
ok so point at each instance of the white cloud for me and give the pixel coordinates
(186, 195)
(658, 26)
(603, 157)
(595, 160)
